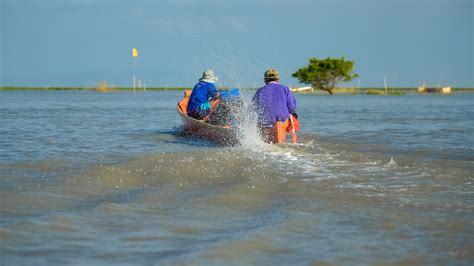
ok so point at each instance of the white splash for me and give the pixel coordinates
(391, 164)
(248, 133)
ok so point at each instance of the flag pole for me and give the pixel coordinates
(134, 82)
(135, 56)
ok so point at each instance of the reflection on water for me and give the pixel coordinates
(105, 179)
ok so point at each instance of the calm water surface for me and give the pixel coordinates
(105, 178)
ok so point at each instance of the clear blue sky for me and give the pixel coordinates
(80, 42)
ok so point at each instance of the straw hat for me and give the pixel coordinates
(271, 74)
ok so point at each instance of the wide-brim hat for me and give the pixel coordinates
(209, 76)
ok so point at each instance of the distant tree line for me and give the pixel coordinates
(324, 74)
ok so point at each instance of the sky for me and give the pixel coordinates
(78, 43)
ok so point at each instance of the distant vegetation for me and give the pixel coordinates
(372, 91)
(94, 89)
(45, 88)
(324, 74)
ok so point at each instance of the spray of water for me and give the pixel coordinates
(248, 133)
(278, 157)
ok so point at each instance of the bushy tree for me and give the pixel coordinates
(324, 74)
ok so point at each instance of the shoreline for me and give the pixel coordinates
(92, 89)
(346, 91)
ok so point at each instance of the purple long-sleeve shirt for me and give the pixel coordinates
(274, 102)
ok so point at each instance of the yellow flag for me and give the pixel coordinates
(134, 52)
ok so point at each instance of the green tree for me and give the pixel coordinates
(324, 74)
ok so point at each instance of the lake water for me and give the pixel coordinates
(105, 179)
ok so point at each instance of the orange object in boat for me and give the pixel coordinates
(187, 93)
(220, 134)
(183, 104)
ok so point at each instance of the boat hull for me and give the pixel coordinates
(227, 134)
(200, 128)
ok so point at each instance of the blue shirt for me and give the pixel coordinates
(274, 102)
(202, 92)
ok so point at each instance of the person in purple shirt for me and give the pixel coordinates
(273, 102)
(204, 97)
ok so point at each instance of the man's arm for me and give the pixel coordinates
(291, 103)
(213, 92)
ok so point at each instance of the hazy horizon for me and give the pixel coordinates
(79, 43)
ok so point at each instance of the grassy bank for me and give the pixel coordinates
(383, 91)
(375, 91)
(370, 91)
(91, 89)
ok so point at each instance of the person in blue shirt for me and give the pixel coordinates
(204, 97)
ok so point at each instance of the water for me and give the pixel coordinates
(91, 178)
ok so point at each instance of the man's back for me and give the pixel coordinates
(274, 102)
(200, 94)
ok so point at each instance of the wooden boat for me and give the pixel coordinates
(220, 134)
(227, 134)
